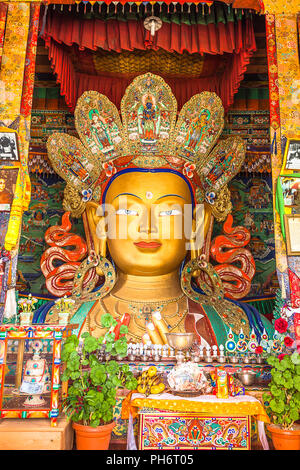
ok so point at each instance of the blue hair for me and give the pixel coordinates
(150, 170)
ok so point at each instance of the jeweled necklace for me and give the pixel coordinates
(146, 314)
(140, 327)
(156, 303)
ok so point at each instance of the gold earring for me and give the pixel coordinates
(233, 316)
(81, 294)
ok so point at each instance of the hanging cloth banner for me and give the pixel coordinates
(3, 13)
(77, 48)
(256, 5)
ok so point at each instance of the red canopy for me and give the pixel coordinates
(74, 44)
(257, 5)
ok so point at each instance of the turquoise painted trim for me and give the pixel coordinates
(81, 315)
(268, 326)
(217, 324)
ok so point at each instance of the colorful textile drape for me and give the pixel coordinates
(28, 85)
(74, 46)
(3, 13)
(209, 404)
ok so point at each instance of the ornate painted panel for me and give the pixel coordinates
(175, 431)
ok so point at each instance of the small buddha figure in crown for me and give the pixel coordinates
(196, 131)
(149, 218)
(99, 132)
(148, 118)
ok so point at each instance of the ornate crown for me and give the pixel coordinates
(147, 137)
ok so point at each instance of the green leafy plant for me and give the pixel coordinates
(93, 384)
(283, 399)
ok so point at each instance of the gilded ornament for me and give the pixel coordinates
(73, 201)
(79, 294)
(223, 205)
(232, 316)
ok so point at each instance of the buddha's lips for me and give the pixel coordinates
(150, 245)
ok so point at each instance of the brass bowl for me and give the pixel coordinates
(180, 341)
(247, 377)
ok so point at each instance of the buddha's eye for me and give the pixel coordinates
(126, 212)
(169, 212)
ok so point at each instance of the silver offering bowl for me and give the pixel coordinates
(195, 357)
(208, 359)
(260, 360)
(246, 360)
(180, 342)
(172, 353)
(156, 358)
(221, 359)
(131, 357)
(247, 377)
(234, 359)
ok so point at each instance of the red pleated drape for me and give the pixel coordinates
(233, 43)
(118, 36)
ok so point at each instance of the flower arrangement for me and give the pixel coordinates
(27, 308)
(93, 384)
(64, 307)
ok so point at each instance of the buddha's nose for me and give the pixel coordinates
(148, 223)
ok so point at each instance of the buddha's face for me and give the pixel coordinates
(147, 215)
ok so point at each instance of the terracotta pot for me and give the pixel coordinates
(284, 440)
(89, 438)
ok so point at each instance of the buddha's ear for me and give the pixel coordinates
(96, 226)
(200, 228)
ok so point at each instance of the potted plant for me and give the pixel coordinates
(93, 384)
(283, 401)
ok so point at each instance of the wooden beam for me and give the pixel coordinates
(46, 84)
(254, 68)
(43, 68)
(41, 50)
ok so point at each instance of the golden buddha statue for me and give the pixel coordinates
(148, 205)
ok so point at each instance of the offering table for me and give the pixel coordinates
(204, 422)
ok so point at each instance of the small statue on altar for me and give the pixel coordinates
(149, 221)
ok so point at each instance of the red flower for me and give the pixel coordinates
(288, 341)
(281, 325)
(281, 356)
(258, 350)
